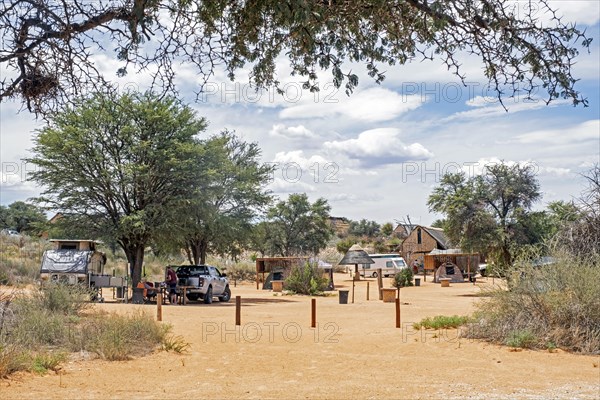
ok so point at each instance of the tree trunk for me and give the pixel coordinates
(203, 249)
(199, 248)
(135, 257)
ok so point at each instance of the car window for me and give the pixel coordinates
(389, 264)
(218, 272)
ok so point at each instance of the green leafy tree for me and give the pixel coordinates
(297, 227)
(48, 45)
(118, 162)
(387, 229)
(231, 194)
(485, 213)
(23, 217)
(365, 228)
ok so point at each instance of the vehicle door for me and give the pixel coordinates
(218, 281)
(389, 268)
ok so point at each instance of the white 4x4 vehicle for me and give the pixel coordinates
(203, 282)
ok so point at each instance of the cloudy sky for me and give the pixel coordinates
(378, 153)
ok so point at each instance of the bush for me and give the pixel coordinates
(37, 330)
(403, 278)
(558, 304)
(307, 279)
(524, 339)
(442, 322)
(118, 337)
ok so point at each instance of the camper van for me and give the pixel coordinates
(390, 265)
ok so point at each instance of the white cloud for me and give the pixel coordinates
(292, 132)
(586, 131)
(379, 147)
(369, 105)
(487, 107)
(297, 157)
(280, 185)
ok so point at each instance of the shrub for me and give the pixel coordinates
(61, 298)
(12, 359)
(442, 322)
(119, 337)
(42, 362)
(524, 339)
(306, 279)
(403, 278)
(558, 303)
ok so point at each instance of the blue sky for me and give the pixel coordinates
(379, 153)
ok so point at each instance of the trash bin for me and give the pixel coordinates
(417, 281)
(343, 296)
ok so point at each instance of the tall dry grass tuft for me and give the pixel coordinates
(548, 306)
(121, 337)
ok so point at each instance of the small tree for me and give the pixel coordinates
(403, 278)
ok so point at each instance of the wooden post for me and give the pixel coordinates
(367, 290)
(380, 283)
(238, 306)
(353, 283)
(313, 313)
(397, 313)
(159, 300)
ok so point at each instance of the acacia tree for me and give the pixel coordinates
(231, 193)
(47, 45)
(297, 227)
(23, 217)
(486, 212)
(118, 163)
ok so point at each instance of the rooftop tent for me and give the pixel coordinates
(66, 261)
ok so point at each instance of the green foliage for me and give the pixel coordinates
(344, 245)
(516, 52)
(306, 279)
(442, 322)
(488, 213)
(297, 227)
(176, 344)
(230, 193)
(117, 163)
(403, 278)
(23, 217)
(42, 362)
(521, 338)
(369, 229)
(387, 229)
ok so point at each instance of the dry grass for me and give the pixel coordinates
(545, 307)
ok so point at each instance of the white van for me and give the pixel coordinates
(390, 265)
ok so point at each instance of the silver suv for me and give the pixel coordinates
(203, 282)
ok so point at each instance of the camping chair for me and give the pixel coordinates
(149, 293)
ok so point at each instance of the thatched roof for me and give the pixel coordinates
(356, 255)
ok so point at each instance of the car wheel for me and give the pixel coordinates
(193, 296)
(208, 296)
(226, 295)
(374, 275)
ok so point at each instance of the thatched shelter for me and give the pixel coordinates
(354, 256)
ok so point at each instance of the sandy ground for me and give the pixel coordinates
(355, 352)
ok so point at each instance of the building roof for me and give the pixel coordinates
(439, 236)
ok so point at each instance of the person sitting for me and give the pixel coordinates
(149, 290)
